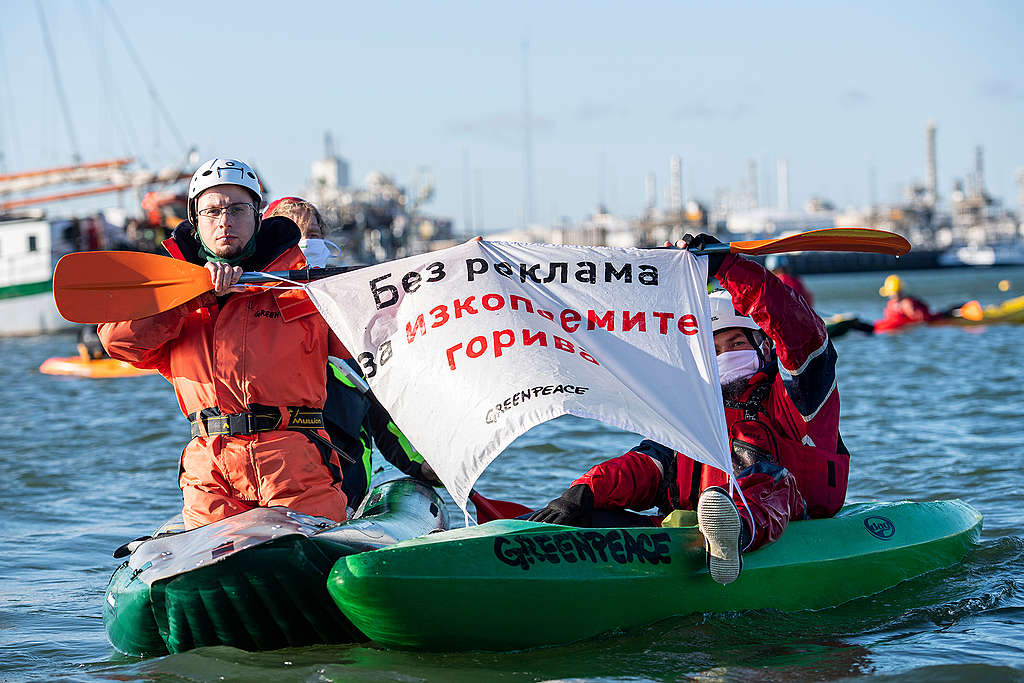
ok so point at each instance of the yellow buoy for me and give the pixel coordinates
(1004, 285)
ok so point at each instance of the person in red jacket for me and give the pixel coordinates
(777, 367)
(780, 266)
(248, 365)
(901, 307)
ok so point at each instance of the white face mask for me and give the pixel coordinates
(318, 251)
(734, 365)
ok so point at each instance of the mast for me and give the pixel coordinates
(65, 109)
(931, 196)
(782, 171)
(150, 87)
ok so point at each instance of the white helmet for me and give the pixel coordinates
(724, 315)
(221, 172)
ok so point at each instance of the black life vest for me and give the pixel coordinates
(821, 474)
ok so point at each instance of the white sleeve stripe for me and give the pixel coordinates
(817, 352)
(661, 468)
(808, 418)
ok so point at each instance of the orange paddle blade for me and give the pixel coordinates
(828, 239)
(110, 286)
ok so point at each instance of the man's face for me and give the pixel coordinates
(227, 234)
(731, 339)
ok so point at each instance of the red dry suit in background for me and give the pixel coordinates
(259, 350)
(906, 309)
(784, 429)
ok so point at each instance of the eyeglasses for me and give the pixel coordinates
(233, 211)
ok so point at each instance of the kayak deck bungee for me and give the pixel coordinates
(77, 366)
(257, 580)
(544, 584)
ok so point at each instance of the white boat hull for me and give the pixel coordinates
(31, 314)
(984, 255)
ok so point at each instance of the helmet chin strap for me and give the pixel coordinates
(761, 343)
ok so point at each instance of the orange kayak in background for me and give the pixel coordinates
(77, 366)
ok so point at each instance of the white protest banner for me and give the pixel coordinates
(471, 346)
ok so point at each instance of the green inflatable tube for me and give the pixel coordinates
(257, 580)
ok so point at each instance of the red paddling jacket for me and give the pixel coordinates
(788, 414)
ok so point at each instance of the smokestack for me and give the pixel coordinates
(752, 182)
(979, 170)
(675, 198)
(931, 174)
(1020, 189)
(783, 181)
(467, 194)
(328, 145)
(650, 189)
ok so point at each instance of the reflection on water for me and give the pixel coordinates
(931, 413)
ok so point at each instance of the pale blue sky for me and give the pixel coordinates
(616, 89)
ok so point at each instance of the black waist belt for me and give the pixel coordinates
(264, 419)
(209, 421)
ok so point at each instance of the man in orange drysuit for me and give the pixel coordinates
(778, 372)
(248, 365)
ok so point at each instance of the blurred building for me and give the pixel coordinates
(379, 221)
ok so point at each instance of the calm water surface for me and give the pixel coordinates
(936, 412)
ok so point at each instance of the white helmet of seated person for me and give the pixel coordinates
(724, 315)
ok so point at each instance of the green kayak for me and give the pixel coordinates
(255, 581)
(839, 325)
(540, 584)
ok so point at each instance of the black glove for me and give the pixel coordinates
(699, 242)
(572, 508)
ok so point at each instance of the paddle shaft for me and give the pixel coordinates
(304, 275)
(98, 286)
(827, 239)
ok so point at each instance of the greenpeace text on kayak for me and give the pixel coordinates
(619, 546)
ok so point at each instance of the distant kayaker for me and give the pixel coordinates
(248, 365)
(89, 345)
(779, 264)
(901, 307)
(778, 372)
(355, 419)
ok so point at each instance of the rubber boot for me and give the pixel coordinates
(719, 523)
